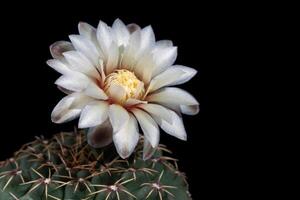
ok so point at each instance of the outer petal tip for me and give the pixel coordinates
(59, 47)
(190, 109)
(148, 150)
(126, 139)
(124, 154)
(100, 136)
(93, 114)
(133, 27)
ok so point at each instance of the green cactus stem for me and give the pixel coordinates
(67, 168)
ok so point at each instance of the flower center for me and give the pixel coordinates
(122, 85)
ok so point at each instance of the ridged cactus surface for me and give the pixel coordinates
(67, 168)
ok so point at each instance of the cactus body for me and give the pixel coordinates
(67, 168)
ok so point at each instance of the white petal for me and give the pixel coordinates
(139, 89)
(148, 150)
(121, 32)
(87, 30)
(116, 92)
(118, 116)
(163, 43)
(93, 90)
(64, 90)
(93, 114)
(157, 111)
(113, 58)
(58, 66)
(104, 36)
(148, 126)
(101, 69)
(132, 102)
(133, 27)
(135, 40)
(189, 73)
(166, 78)
(74, 81)
(172, 95)
(78, 62)
(66, 116)
(126, 138)
(69, 107)
(100, 136)
(132, 50)
(164, 58)
(61, 112)
(78, 82)
(174, 75)
(190, 110)
(144, 67)
(176, 128)
(58, 48)
(147, 38)
(173, 107)
(86, 47)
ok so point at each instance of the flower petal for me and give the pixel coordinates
(90, 33)
(131, 51)
(148, 126)
(58, 48)
(66, 116)
(69, 107)
(118, 116)
(116, 92)
(121, 32)
(133, 27)
(132, 102)
(148, 150)
(87, 31)
(93, 90)
(144, 67)
(58, 66)
(173, 127)
(78, 62)
(164, 58)
(176, 128)
(157, 111)
(126, 138)
(189, 73)
(78, 82)
(163, 43)
(172, 95)
(174, 75)
(64, 90)
(167, 119)
(100, 136)
(87, 47)
(166, 78)
(74, 81)
(104, 37)
(190, 110)
(93, 114)
(113, 58)
(147, 38)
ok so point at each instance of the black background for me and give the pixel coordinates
(207, 38)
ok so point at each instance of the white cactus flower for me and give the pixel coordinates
(118, 77)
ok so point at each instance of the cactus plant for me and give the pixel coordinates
(66, 167)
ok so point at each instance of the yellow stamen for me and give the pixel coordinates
(133, 87)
